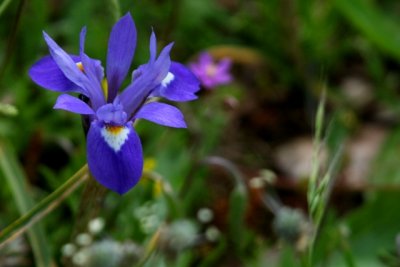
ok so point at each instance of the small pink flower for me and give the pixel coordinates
(211, 73)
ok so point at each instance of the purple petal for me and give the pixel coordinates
(153, 46)
(223, 75)
(73, 104)
(162, 114)
(114, 156)
(121, 48)
(93, 84)
(163, 63)
(82, 38)
(47, 74)
(65, 62)
(112, 113)
(151, 76)
(180, 84)
(205, 59)
(223, 78)
(98, 70)
(224, 65)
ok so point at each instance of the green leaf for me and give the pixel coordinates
(15, 178)
(376, 25)
(372, 230)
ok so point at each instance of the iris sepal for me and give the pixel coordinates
(162, 114)
(114, 155)
(47, 74)
(180, 84)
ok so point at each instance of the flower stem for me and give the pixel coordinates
(91, 201)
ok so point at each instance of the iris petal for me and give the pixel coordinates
(114, 156)
(65, 62)
(152, 74)
(97, 67)
(163, 62)
(74, 74)
(73, 104)
(91, 69)
(179, 85)
(153, 46)
(121, 48)
(162, 114)
(47, 74)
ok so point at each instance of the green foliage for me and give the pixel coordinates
(378, 27)
(15, 178)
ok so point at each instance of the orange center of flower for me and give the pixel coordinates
(211, 70)
(115, 130)
(80, 66)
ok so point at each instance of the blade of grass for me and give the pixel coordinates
(320, 184)
(12, 38)
(43, 207)
(4, 5)
(115, 9)
(316, 164)
(313, 198)
(15, 178)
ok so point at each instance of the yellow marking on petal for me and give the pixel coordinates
(114, 129)
(104, 86)
(80, 66)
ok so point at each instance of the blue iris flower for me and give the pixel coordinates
(114, 150)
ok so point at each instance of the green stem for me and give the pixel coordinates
(45, 206)
(89, 207)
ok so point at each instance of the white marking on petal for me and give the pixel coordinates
(168, 79)
(115, 136)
